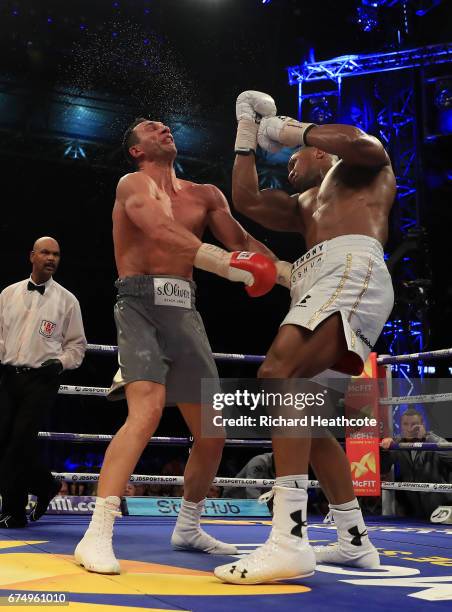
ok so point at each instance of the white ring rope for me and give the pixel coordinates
(431, 398)
(439, 354)
(248, 482)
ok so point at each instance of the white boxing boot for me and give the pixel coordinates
(95, 550)
(188, 535)
(287, 552)
(353, 546)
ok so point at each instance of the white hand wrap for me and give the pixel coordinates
(246, 139)
(213, 259)
(284, 272)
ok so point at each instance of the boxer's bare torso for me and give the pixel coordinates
(351, 196)
(350, 200)
(157, 226)
(166, 250)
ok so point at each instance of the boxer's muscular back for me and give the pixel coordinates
(350, 200)
(156, 234)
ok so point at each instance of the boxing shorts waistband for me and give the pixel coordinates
(161, 289)
(355, 241)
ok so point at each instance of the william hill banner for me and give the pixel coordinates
(362, 447)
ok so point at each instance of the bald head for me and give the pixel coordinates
(46, 242)
(308, 167)
(44, 258)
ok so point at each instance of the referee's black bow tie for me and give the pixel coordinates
(32, 287)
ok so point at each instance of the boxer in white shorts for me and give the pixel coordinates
(341, 296)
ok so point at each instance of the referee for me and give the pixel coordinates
(41, 334)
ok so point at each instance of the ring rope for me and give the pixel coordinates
(432, 398)
(439, 354)
(248, 482)
(186, 441)
(79, 390)
(102, 349)
(382, 360)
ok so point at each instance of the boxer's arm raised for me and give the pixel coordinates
(351, 144)
(272, 208)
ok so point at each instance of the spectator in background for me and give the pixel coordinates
(64, 489)
(417, 466)
(174, 467)
(135, 490)
(261, 466)
(41, 334)
(214, 492)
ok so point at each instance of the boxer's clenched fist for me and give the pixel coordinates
(257, 271)
(262, 268)
(250, 107)
(254, 105)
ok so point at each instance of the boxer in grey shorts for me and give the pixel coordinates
(158, 223)
(161, 337)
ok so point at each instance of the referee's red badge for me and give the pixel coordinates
(47, 328)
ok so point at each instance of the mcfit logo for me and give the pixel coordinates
(367, 463)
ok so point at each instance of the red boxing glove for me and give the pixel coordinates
(261, 267)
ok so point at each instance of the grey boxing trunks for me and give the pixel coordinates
(161, 337)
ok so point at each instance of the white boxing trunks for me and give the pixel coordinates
(347, 274)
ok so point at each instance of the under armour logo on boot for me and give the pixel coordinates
(297, 518)
(356, 540)
(244, 573)
(232, 570)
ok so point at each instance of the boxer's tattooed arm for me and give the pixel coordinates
(272, 208)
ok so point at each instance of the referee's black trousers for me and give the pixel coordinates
(26, 395)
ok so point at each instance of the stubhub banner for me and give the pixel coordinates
(156, 506)
(170, 506)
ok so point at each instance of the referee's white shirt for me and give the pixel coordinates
(35, 327)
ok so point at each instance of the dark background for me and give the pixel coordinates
(163, 59)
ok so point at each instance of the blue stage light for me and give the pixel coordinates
(443, 95)
(445, 121)
(367, 18)
(321, 112)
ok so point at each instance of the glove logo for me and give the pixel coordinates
(47, 328)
